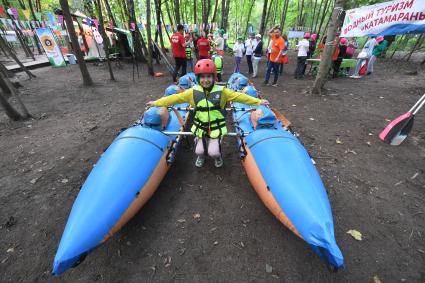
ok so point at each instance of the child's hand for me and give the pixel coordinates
(264, 102)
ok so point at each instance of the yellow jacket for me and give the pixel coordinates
(226, 96)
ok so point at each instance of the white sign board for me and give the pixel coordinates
(389, 18)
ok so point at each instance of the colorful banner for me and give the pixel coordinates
(51, 47)
(389, 18)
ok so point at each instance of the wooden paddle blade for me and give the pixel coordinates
(393, 128)
(286, 123)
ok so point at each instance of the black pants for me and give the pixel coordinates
(249, 61)
(300, 66)
(336, 65)
(180, 62)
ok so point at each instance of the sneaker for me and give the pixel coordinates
(200, 161)
(266, 83)
(218, 162)
(275, 85)
(369, 73)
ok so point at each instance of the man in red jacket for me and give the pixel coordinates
(178, 44)
(203, 45)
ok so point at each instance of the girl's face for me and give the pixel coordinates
(206, 80)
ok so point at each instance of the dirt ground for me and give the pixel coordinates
(374, 188)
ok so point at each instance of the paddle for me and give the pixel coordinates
(398, 130)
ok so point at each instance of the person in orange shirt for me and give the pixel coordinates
(277, 47)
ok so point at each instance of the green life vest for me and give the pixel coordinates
(218, 61)
(188, 52)
(209, 120)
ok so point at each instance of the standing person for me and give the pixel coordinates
(377, 52)
(212, 45)
(218, 61)
(250, 44)
(219, 43)
(277, 47)
(364, 56)
(284, 59)
(203, 46)
(238, 50)
(195, 38)
(302, 47)
(351, 49)
(189, 52)
(179, 53)
(341, 55)
(321, 46)
(209, 123)
(256, 57)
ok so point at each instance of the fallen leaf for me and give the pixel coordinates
(196, 216)
(414, 176)
(181, 220)
(269, 268)
(351, 151)
(33, 181)
(215, 243)
(64, 181)
(311, 119)
(376, 279)
(338, 141)
(293, 105)
(10, 250)
(369, 143)
(355, 234)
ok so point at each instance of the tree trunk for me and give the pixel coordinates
(268, 12)
(11, 112)
(7, 86)
(225, 6)
(170, 18)
(325, 11)
(148, 31)
(317, 17)
(74, 40)
(166, 31)
(313, 16)
(284, 12)
(263, 18)
(249, 17)
(300, 13)
(5, 46)
(215, 11)
(326, 61)
(195, 12)
(158, 22)
(40, 52)
(137, 46)
(177, 11)
(98, 5)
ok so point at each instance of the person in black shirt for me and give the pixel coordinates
(256, 57)
(341, 55)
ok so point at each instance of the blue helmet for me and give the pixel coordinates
(184, 82)
(242, 82)
(232, 79)
(172, 89)
(192, 77)
(152, 119)
(251, 91)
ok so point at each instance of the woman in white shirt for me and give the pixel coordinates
(238, 50)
